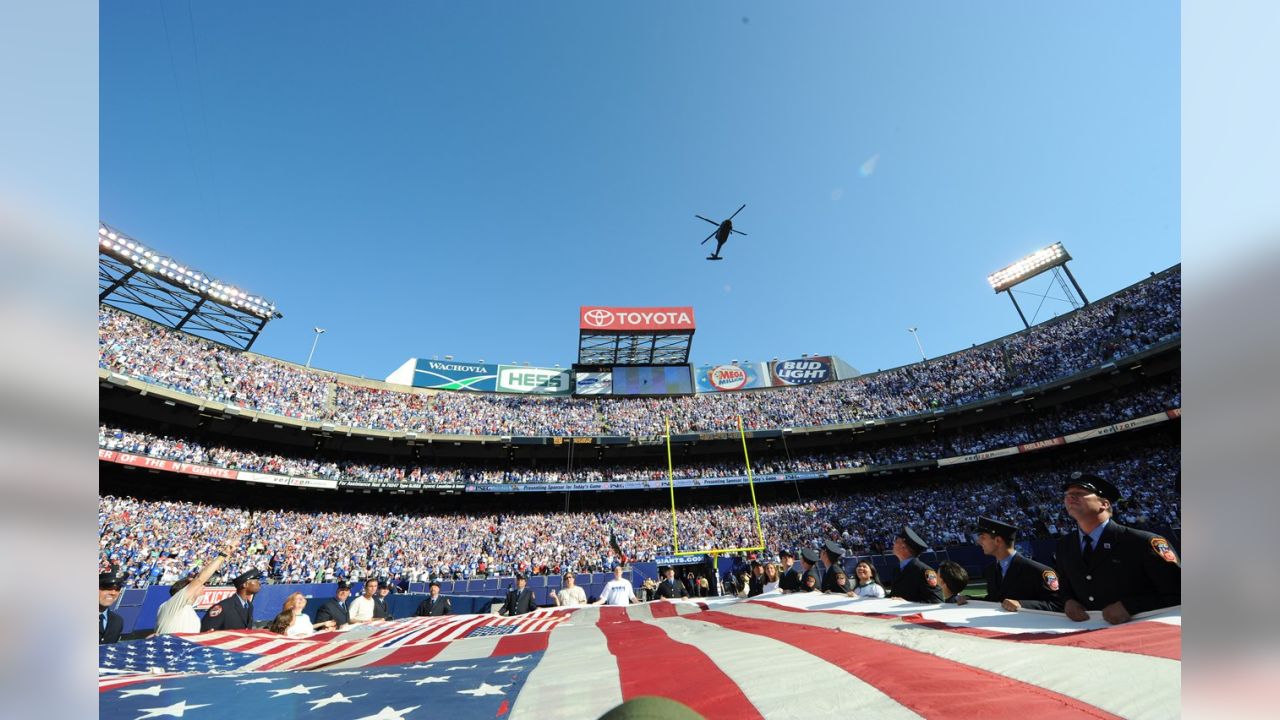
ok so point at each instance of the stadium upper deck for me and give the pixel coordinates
(1127, 323)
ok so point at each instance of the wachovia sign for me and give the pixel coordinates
(595, 317)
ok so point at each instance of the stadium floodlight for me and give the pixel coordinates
(1043, 260)
(1028, 267)
(135, 277)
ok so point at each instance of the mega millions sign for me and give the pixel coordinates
(606, 319)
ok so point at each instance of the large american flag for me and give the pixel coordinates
(800, 655)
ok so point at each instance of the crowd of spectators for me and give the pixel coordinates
(1107, 330)
(157, 541)
(1026, 428)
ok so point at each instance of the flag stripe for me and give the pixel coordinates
(576, 673)
(700, 685)
(1108, 683)
(932, 686)
(1143, 638)
(752, 661)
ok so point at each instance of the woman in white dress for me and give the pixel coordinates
(770, 577)
(867, 581)
(293, 622)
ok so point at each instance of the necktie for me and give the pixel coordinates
(1086, 553)
(102, 619)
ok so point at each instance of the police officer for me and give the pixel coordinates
(435, 603)
(670, 587)
(1013, 580)
(381, 610)
(520, 598)
(916, 581)
(831, 554)
(236, 612)
(1103, 565)
(790, 579)
(809, 567)
(335, 608)
(110, 624)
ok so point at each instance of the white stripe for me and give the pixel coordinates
(468, 649)
(577, 674)
(640, 612)
(1126, 684)
(754, 662)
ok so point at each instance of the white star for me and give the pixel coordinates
(390, 713)
(427, 680)
(334, 698)
(256, 681)
(379, 676)
(298, 689)
(461, 667)
(346, 672)
(517, 658)
(153, 691)
(420, 666)
(175, 710)
(484, 689)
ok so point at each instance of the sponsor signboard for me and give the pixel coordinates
(736, 376)
(680, 559)
(805, 371)
(533, 380)
(453, 375)
(595, 318)
(174, 466)
(211, 596)
(652, 380)
(593, 383)
(636, 484)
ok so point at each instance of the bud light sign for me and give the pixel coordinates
(725, 378)
(805, 371)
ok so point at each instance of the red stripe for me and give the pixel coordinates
(929, 685)
(1154, 639)
(521, 644)
(700, 684)
(411, 654)
(663, 610)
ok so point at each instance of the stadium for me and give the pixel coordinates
(321, 477)
(323, 494)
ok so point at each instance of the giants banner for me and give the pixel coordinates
(614, 319)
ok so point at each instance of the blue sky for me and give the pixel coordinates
(425, 179)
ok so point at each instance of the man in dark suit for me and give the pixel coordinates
(381, 610)
(236, 612)
(809, 566)
(1103, 565)
(1015, 581)
(916, 581)
(670, 587)
(110, 624)
(335, 609)
(519, 599)
(830, 557)
(790, 579)
(435, 604)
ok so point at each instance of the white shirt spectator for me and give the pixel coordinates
(574, 596)
(618, 592)
(361, 609)
(301, 627)
(177, 615)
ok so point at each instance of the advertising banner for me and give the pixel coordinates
(615, 319)
(212, 472)
(593, 383)
(680, 559)
(533, 380)
(637, 484)
(452, 375)
(726, 378)
(805, 371)
(652, 380)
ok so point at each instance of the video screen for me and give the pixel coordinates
(653, 380)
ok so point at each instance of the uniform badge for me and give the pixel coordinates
(1050, 580)
(1163, 549)
(931, 577)
(215, 611)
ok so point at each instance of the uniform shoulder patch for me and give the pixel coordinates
(1050, 580)
(215, 611)
(931, 578)
(1161, 547)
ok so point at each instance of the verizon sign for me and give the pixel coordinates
(594, 317)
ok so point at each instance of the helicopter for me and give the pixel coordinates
(721, 233)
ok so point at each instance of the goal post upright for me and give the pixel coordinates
(755, 506)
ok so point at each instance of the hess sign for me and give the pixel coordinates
(595, 317)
